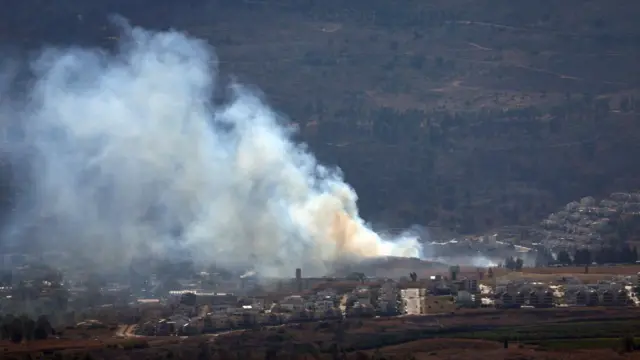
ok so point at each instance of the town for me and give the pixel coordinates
(209, 303)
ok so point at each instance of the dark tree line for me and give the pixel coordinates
(514, 263)
(23, 328)
(605, 255)
(478, 144)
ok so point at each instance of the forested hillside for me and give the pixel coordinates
(467, 114)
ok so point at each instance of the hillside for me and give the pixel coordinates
(465, 114)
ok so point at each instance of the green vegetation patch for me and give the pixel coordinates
(583, 330)
(581, 344)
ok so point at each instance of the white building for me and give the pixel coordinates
(413, 301)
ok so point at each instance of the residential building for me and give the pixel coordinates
(439, 304)
(388, 298)
(581, 296)
(293, 303)
(465, 298)
(611, 297)
(413, 301)
(363, 295)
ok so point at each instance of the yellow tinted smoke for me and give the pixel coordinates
(351, 237)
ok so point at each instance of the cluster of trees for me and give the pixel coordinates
(513, 263)
(421, 140)
(432, 137)
(23, 328)
(605, 255)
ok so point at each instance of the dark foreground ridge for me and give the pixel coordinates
(471, 335)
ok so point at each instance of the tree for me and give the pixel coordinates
(510, 263)
(628, 343)
(5, 327)
(454, 270)
(17, 333)
(28, 327)
(543, 257)
(564, 258)
(605, 255)
(519, 264)
(42, 328)
(582, 257)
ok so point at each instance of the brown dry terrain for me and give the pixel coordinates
(604, 270)
(424, 269)
(553, 274)
(599, 271)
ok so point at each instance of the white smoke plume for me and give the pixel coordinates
(133, 156)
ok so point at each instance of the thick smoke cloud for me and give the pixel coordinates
(131, 156)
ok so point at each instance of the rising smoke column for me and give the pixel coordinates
(132, 156)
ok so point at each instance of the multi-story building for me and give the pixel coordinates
(541, 298)
(580, 296)
(473, 286)
(466, 298)
(413, 301)
(388, 298)
(439, 304)
(613, 297)
(362, 295)
(417, 302)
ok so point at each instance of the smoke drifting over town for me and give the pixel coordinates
(129, 155)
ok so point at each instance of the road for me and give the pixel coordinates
(126, 331)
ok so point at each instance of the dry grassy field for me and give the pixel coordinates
(601, 270)
(551, 274)
(434, 349)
